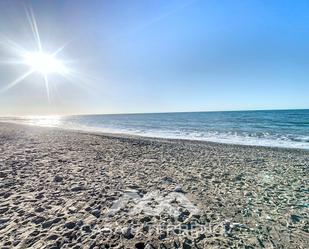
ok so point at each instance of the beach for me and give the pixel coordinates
(69, 189)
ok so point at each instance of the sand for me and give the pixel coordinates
(65, 189)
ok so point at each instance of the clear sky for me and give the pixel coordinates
(158, 56)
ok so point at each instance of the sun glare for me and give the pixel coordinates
(38, 61)
(44, 63)
(45, 120)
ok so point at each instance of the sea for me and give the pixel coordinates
(275, 128)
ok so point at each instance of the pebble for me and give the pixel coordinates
(38, 219)
(70, 224)
(39, 210)
(50, 222)
(128, 232)
(58, 178)
(96, 213)
(79, 223)
(295, 218)
(179, 189)
(72, 209)
(3, 210)
(227, 227)
(52, 237)
(4, 220)
(75, 188)
(86, 228)
(140, 245)
(149, 246)
(157, 211)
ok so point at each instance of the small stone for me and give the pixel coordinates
(7, 243)
(3, 210)
(7, 194)
(3, 174)
(145, 219)
(50, 222)
(168, 179)
(140, 245)
(39, 210)
(106, 230)
(149, 246)
(4, 220)
(162, 236)
(39, 195)
(38, 219)
(79, 223)
(77, 188)
(239, 177)
(16, 242)
(72, 209)
(58, 178)
(128, 232)
(295, 218)
(34, 233)
(187, 244)
(70, 224)
(88, 208)
(227, 226)
(184, 214)
(87, 228)
(52, 237)
(178, 189)
(69, 235)
(96, 213)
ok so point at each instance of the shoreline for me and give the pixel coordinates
(66, 189)
(162, 139)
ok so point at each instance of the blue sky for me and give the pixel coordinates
(161, 56)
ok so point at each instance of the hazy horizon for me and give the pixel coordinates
(152, 57)
(165, 112)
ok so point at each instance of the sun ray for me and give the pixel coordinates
(40, 61)
(12, 45)
(57, 51)
(53, 89)
(18, 80)
(34, 27)
(78, 81)
(12, 62)
(47, 87)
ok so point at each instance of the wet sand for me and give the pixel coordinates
(65, 189)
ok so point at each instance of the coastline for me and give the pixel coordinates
(74, 189)
(155, 138)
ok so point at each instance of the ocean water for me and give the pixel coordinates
(280, 128)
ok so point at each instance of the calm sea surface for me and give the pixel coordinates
(284, 128)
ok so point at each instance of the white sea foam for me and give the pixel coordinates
(174, 129)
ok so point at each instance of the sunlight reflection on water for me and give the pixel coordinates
(53, 121)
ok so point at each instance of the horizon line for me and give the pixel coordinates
(167, 112)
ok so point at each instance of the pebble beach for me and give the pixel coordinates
(69, 189)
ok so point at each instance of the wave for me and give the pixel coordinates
(223, 128)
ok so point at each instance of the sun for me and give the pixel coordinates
(44, 63)
(38, 60)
